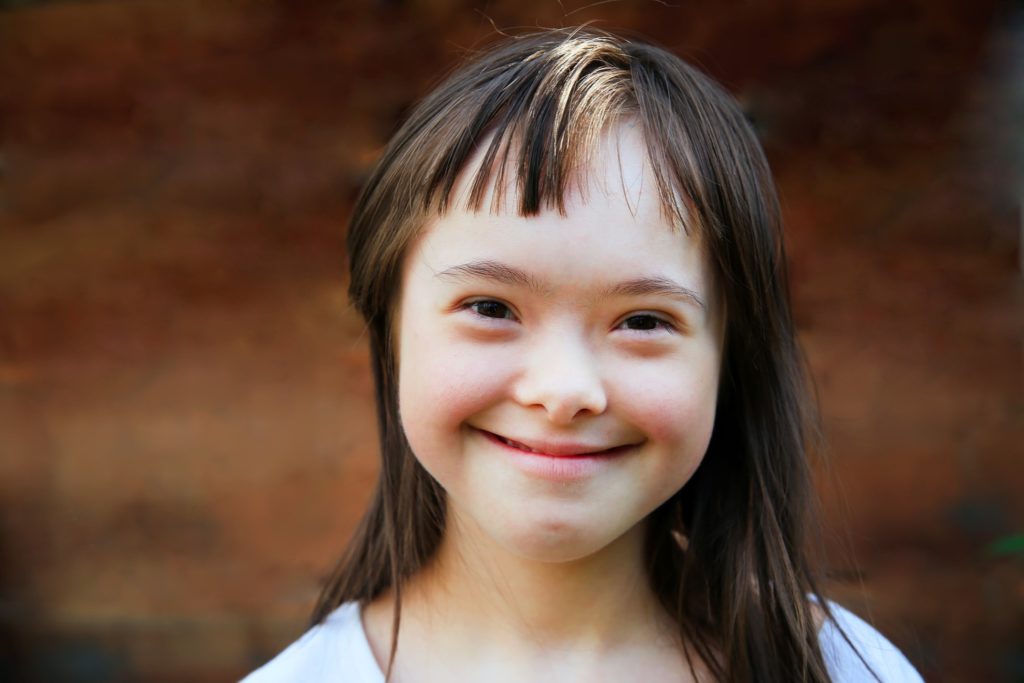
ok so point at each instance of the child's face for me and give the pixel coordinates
(593, 337)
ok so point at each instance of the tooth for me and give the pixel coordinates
(516, 444)
(521, 446)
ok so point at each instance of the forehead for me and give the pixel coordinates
(613, 227)
(615, 167)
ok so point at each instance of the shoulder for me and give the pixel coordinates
(842, 660)
(335, 650)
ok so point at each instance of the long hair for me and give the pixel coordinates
(727, 554)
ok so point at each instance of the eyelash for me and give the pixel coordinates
(660, 323)
(473, 306)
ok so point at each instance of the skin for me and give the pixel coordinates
(595, 338)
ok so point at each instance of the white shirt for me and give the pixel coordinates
(337, 650)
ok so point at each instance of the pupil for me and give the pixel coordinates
(641, 322)
(491, 309)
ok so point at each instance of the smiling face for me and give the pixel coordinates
(558, 374)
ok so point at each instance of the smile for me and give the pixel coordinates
(556, 449)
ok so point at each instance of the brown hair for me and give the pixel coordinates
(739, 589)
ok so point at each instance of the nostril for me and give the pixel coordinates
(564, 382)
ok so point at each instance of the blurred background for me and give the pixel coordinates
(186, 425)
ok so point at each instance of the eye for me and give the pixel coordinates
(645, 322)
(491, 309)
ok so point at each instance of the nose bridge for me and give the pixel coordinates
(562, 374)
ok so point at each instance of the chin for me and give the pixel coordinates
(554, 542)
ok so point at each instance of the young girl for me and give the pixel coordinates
(589, 393)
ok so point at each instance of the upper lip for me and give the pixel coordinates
(554, 447)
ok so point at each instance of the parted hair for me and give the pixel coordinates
(728, 554)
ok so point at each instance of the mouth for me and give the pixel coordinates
(557, 449)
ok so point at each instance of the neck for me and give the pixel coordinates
(597, 602)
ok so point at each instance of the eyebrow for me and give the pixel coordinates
(512, 276)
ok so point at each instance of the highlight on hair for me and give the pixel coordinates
(741, 587)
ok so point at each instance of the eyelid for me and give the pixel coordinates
(467, 304)
(666, 322)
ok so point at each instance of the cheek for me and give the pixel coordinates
(440, 385)
(675, 410)
(673, 404)
(442, 382)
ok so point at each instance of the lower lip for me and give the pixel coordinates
(558, 467)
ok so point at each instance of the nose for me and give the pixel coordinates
(562, 377)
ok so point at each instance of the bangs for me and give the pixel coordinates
(521, 124)
(530, 123)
